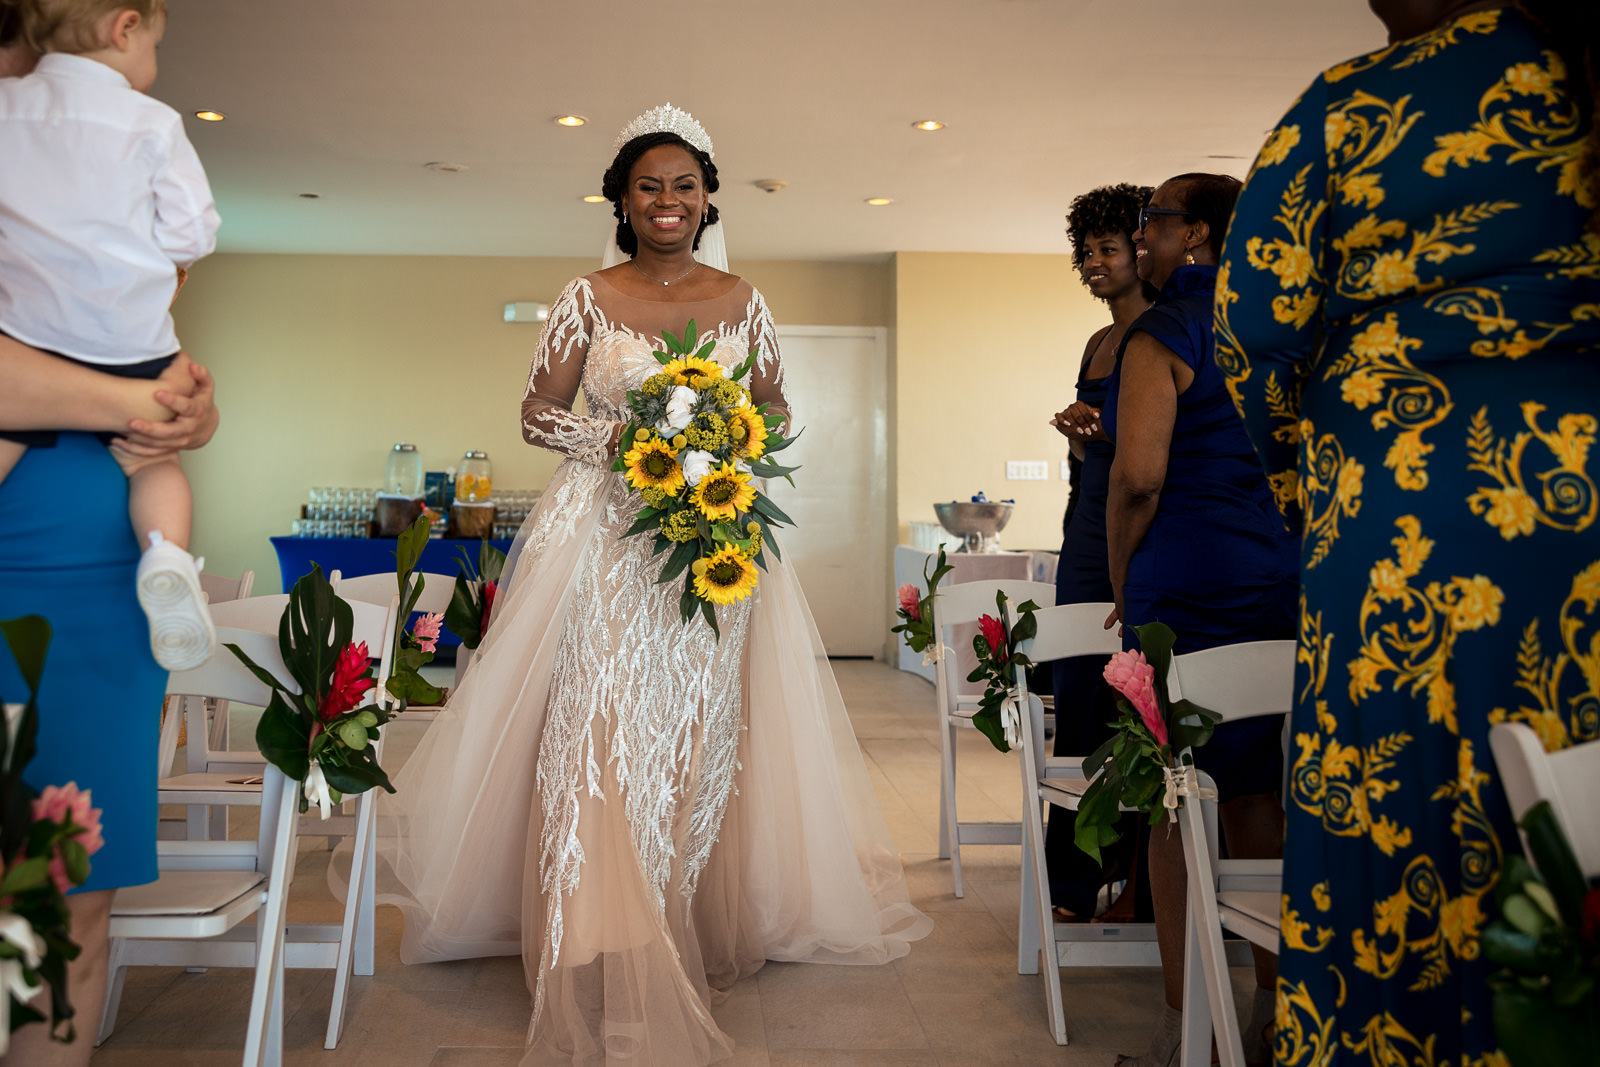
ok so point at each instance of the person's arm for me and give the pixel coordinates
(1270, 288)
(1147, 409)
(187, 395)
(1078, 422)
(548, 420)
(186, 219)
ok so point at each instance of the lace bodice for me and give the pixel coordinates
(602, 340)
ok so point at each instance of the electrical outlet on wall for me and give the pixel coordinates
(1066, 470)
(1027, 470)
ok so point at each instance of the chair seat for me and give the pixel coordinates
(189, 895)
(237, 786)
(1262, 907)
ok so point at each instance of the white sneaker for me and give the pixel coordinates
(181, 635)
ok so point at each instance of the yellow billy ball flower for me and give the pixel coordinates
(693, 371)
(728, 576)
(681, 526)
(651, 465)
(641, 434)
(699, 568)
(723, 493)
(679, 441)
(749, 432)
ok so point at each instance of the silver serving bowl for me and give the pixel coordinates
(978, 524)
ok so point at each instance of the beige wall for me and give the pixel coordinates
(323, 362)
(987, 347)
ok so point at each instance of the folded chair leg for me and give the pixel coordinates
(1028, 932)
(117, 973)
(1196, 1004)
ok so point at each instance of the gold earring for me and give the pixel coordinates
(1188, 257)
(624, 218)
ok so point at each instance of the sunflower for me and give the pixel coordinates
(693, 371)
(723, 493)
(727, 576)
(748, 432)
(652, 465)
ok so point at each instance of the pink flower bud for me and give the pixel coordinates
(911, 601)
(1132, 676)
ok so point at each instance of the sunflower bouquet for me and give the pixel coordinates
(692, 451)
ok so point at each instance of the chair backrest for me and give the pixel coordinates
(1064, 631)
(219, 588)
(1238, 681)
(962, 605)
(224, 677)
(378, 588)
(1568, 779)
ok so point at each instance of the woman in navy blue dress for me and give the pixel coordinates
(1100, 224)
(1196, 541)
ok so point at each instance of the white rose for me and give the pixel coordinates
(678, 411)
(696, 465)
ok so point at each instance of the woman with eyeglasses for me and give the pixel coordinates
(1196, 541)
(1100, 225)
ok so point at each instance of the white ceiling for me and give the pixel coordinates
(1044, 99)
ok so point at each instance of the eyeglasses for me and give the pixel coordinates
(1144, 216)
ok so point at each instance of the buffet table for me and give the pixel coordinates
(910, 564)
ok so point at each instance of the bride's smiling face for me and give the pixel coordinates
(666, 199)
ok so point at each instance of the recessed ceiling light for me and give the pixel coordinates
(1226, 157)
(310, 196)
(570, 120)
(210, 116)
(593, 199)
(446, 168)
(928, 125)
(879, 201)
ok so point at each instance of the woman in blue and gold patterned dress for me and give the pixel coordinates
(1408, 314)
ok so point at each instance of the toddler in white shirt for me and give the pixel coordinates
(103, 207)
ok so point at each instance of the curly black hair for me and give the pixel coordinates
(1108, 209)
(615, 183)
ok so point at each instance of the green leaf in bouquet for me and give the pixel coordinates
(765, 506)
(1507, 946)
(1027, 627)
(491, 561)
(766, 537)
(29, 638)
(1558, 867)
(1094, 763)
(28, 874)
(662, 358)
(464, 613)
(409, 545)
(773, 447)
(988, 724)
(264, 676)
(706, 349)
(283, 736)
(649, 518)
(357, 774)
(315, 627)
(1191, 725)
(1098, 810)
(674, 343)
(744, 368)
(1533, 1033)
(709, 612)
(1155, 641)
(1526, 916)
(75, 858)
(414, 689)
(688, 603)
(681, 557)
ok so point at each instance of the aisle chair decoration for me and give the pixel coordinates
(916, 612)
(320, 736)
(691, 452)
(472, 601)
(413, 648)
(1547, 943)
(999, 715)
(46, 840)
(1139, 766)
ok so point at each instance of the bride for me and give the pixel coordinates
(643, 810)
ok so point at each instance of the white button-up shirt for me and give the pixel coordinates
(102, 197)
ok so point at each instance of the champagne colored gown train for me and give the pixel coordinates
(645, 812)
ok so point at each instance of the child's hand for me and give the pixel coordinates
(190, 414)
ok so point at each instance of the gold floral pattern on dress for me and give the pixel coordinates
(1565, 706)
(1303, 1037)
(1420, 919)
(1411, 633)
(1431, 44)
(1486, 309)
(1360, 132)
(1562, 497)
(1372, 269)
(1295, 930)
(1578, 260)
(1290, 257)
(1330, 488)
(1377, 372)
(1506, 120)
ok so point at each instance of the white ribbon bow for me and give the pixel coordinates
(316, 789)
(17, 931)
(935, 653)
(1181, 782)
(1011, 716)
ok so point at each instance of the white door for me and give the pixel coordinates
(836, 378)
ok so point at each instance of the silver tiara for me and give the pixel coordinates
(666, 119)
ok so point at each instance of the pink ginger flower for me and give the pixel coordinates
(1132, 676)
(55, 804)
(426, 630)
(911, 601)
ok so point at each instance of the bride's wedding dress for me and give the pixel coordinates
(645, 812)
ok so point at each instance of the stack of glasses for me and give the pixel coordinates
(342, 512)
(511, 509)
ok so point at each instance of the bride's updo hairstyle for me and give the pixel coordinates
(615, 183)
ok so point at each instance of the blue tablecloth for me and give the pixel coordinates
(375, 555)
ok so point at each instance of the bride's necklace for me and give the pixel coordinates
(669, 281)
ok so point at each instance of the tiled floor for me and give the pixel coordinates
(955, 1000)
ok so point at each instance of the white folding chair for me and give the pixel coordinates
(1568, 779)
(350, 946)
(378, 588)
(963, 605)
(192, 914)
(1064, 631)
(219, 589)
(1244, 896)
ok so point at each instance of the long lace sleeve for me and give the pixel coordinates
(548, 420)
(766, 378)
(1270, 290)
